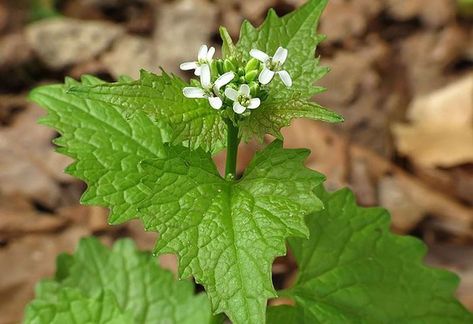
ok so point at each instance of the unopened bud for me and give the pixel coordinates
(228, 66)
(252, 64)
(251, 75)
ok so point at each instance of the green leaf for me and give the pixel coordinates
(227, 233)
(190, 122)
(272, 116)
(228, 48)
(107, 146)
(58, 305)
(296, 32)
(43, 9)
(354, 270)
(222, 230)
(121, 285)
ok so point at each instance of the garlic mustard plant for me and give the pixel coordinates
(145, 149)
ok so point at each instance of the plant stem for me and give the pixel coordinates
(232, 149)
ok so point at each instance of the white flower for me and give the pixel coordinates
(209, 90)
(203, 58)
(272, 65)
(242, 99)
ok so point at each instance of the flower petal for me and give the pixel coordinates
(224, 79)
(254, 103)
(244, 90)
(198, 70)
(205, 76)
(193, 92)
(266, 76)
(210, 54)
(280, 56)
(215, 102)
(259, 55)
(239, 109)
(188, 66)
(202, 56)
(285, 77)
(231, 94)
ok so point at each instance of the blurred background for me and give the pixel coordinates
(401, 74)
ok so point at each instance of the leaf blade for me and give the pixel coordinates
(296, 32)
(189, 122)
(223, 230)
(367, 273)
(106, 147)
(114, 286)
(272, 116)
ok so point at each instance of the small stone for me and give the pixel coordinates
(178, 42)
(130, 54)
(63, 42)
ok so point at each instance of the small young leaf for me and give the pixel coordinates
(228, 48)
(354, 270)
(118, 286)
(191, 122)
(227, 233)
(297, 33)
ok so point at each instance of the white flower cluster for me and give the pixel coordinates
(232, 84)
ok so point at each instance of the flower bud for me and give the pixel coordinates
(252, 64)
(228, 66)
(251, 75)
(241, 71)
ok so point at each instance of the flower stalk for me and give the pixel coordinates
(233, 140)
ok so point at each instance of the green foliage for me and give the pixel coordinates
(42, 9)
(354, 270)
(179, 193)
(297, 33)
(228, 48)
(225, 231)
(122, 285)
(189, 122)
(144, 150)
(106, 146)
(57, 305)
(271, 117)
(465, 7)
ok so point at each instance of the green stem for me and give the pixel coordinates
(232, 149)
